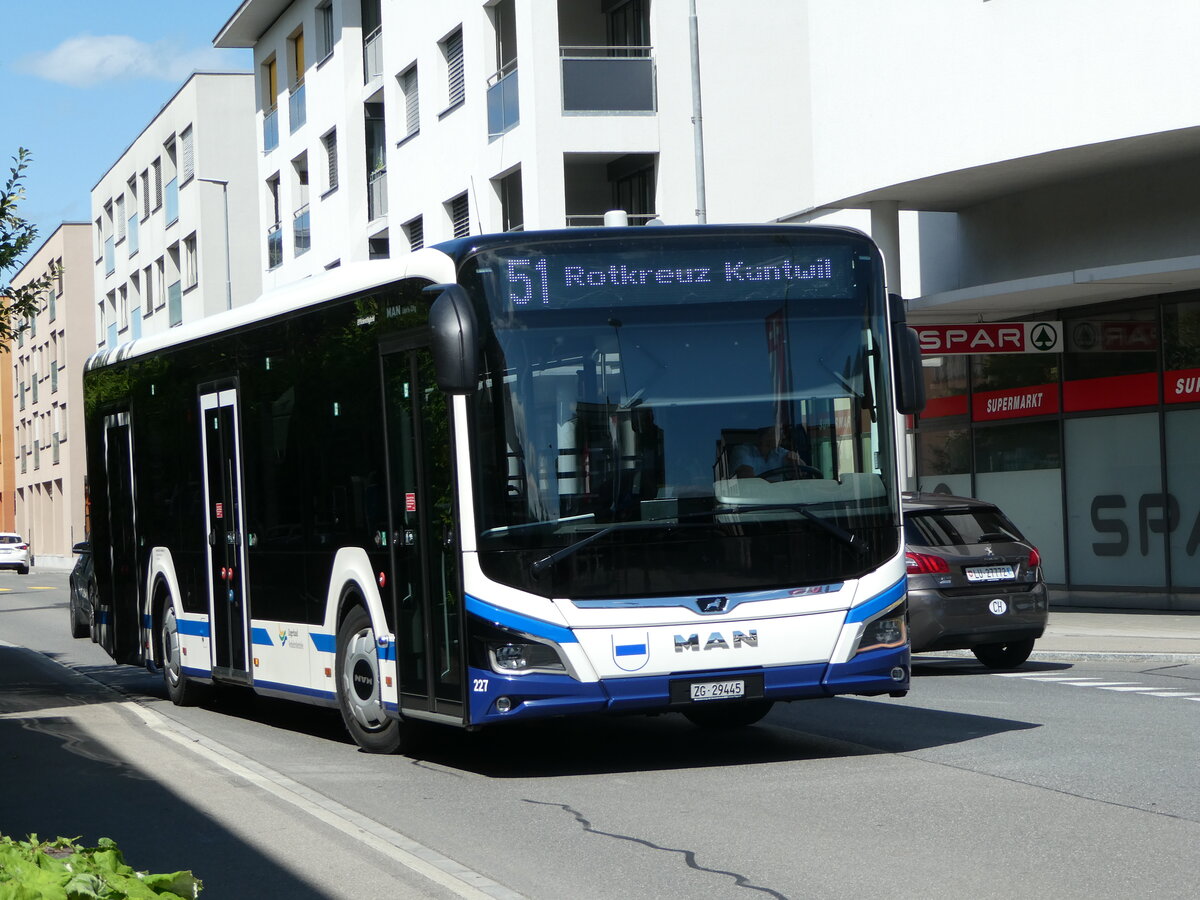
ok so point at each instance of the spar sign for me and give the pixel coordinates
(990, 337)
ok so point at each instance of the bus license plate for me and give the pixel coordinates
(718, 690)
(990, 573)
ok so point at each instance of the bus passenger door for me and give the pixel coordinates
(426, 598)
(223, 525)
(118, 617)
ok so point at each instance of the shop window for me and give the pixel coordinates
(944, 460)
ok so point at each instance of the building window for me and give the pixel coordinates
(508, 189)
(188, 162)
(329, 142)
(412, 105)
(158, 182)
(160, 283)
(325, 36)
(148, 290)
(145, 194)
(452, 50)
(414, 230)
(191, 271)
(460, 216)
(120, 215)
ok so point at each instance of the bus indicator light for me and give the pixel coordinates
(382, 580)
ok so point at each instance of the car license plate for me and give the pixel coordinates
(718, 690)
(990, 573)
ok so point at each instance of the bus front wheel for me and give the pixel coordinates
(358, 686)
(182, 690)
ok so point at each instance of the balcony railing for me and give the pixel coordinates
(175, 303)
(377, 205)
(589, 220)
(133, 234)
(172, 201)
(373, 55)
(270, 129)
(297, 111)
(608, 79)
(274, 247)
(301, 237)
(504, 111)
(110, 256)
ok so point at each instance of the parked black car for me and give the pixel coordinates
(974, 581)
(83, 592)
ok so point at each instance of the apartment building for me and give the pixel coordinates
(387, 125)
(44, 445)
(175, 217)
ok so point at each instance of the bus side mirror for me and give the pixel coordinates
(906, 351)
(455, 342)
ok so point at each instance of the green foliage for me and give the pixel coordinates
(63, 870)
(16, 237)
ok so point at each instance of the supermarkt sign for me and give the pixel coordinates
(990, 337)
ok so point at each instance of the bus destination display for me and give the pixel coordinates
(531, 281)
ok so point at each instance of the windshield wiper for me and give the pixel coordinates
(848, 538)
(539, 566)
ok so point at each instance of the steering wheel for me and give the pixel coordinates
(790, 472)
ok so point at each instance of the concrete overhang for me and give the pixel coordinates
(249, 23)
(958, 190)
(1004, 300)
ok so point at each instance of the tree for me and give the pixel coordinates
(18, 304)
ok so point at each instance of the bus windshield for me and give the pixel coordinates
(661, 417)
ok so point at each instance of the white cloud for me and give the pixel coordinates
(89, 60)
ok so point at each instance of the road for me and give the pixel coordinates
(1065, 780)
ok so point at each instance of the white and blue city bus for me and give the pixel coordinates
(506, 478)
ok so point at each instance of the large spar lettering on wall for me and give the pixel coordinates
(1156, 513)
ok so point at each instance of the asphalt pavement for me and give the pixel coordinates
(79, 759)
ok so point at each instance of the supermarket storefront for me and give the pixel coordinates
(1090, 444)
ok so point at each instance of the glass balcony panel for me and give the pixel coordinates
(297, 111)
(274, 247)
(377, 195)
(301, 237)
(595, 79)
(172, 201)
(111, 338)
(503, 109)
(175, 303)
(373, 55)
(133, 234)
(271, 129)
(110, 256)
(135, 322)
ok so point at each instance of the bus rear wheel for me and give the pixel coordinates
(182, 690)
(728, 715)
(358, 687)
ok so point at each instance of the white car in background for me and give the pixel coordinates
(14, 553)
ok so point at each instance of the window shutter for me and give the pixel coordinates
(189, 168)
(461, 216)
(412, 107)
(454, 67)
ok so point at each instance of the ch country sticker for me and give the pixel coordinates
(630, 655)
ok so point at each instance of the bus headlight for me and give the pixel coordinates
(885, 631)
(517, 656)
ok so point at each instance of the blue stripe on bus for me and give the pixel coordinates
(324, 643)
(509, 619)
(275, 687)
(879, 603)
(147, 622)
(260, 637)
(192, 627)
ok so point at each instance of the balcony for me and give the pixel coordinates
(373, 55)
(297, 111)
(270, 129)
(172, 201)
(377, 205)
(133, 234)
(503, 109)
(274, 247)
(175, 303)
(608, 80)
(301, 237)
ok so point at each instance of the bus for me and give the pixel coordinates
(504, 478)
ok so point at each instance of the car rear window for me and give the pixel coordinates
(944, 527)
(10, 539)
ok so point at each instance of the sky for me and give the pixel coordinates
(80, 79)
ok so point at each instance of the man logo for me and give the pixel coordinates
(712, 604)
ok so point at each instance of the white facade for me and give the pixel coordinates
(175, 221)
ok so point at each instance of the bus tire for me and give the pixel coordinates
(182, 690)
(358, 686)
(720, 715)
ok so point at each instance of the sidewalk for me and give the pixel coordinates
(1083, 633)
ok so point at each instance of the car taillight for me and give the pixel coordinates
(924, 563)
(22, 546)
(1035, 558)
